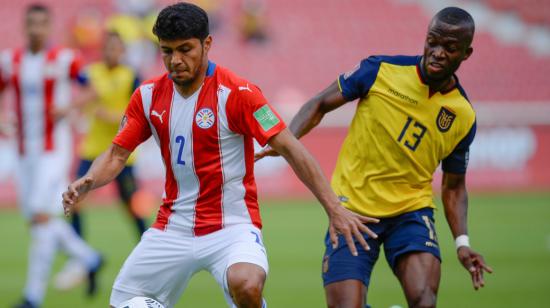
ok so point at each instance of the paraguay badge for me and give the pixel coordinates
(205, 118)
(445, 119)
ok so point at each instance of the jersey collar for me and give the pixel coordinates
(423, 79)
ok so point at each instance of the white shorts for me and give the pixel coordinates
(163, 262)
(41, 179)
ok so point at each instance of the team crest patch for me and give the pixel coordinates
(325, 264)
(205, 118)
(445, 119)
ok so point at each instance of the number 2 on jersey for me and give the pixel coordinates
(417, 135)
(181, 141)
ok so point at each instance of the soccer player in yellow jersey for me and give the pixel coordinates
(412, 115)
(113, 83)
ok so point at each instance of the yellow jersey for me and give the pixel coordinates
(114, 87)
(399, 135)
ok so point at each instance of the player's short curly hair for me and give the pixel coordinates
(181, 21)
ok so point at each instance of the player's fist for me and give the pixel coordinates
(75, 193)
(474, 264)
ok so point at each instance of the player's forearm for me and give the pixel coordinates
(309, 116)
(455, 202)
(312, 112)
(107, 167)
(309, 172)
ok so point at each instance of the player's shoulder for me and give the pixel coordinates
(159, 82)
(459, 103)
(401, 60)
(235, 83)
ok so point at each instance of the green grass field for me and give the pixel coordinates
(512, 231)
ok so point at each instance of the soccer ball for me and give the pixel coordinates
(141, 302)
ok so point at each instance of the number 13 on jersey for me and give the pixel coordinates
(417, 132)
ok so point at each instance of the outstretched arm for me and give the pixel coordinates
(104, 169)
(455, 201)
(341, 220)
(311, 114)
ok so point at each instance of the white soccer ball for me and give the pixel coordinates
(141, 302)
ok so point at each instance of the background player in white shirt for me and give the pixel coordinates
(204, 119)
(40, 76)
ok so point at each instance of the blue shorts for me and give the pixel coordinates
(409, 232)
(126, 181)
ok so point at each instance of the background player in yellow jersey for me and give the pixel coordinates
(112, 84)
(412, 114)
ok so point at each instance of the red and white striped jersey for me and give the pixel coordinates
(206, 142)
(41, 83)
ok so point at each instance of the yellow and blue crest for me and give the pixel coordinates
(445, 119)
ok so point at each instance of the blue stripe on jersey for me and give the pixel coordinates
(358, 83)
(457, 161)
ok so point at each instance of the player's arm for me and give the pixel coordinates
(104, 169)
(455, 201)
(311, 114)
(341, 220)
(134, 129)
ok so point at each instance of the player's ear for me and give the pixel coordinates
(469, 52)
(207, 43)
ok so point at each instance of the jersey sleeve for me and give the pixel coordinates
(249, 114)
(357, 82)
(134, 127)
(457, 161)
(83, 76)
(76, 68)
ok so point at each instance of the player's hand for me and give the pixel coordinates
(75, 193)
(350, 225)
(474, 264)
(267, 151)
(60, 112)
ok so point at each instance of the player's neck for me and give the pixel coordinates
(442, 86)
(35, 48)
(189, 89)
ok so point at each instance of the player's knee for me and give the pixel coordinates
(425, 299)
(247, 295)
(246, 288)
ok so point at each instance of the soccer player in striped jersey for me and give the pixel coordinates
(412, 115)
(204, 119)
(41, 77)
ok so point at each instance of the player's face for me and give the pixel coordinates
(113, 50)
(184, 58)
(37, 28)
(445, 48)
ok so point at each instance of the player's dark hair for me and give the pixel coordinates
(37, 7)
(181, 21)
(458, 17)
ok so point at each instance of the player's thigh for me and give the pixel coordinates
(160, 267)
(419, 274)
(49, 173)
(350, 293)
(235, 254)
(346, 277)
(412, 252)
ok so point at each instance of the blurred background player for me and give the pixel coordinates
(40, 75)
(112, 83)
(412, 114)
(204, 119)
